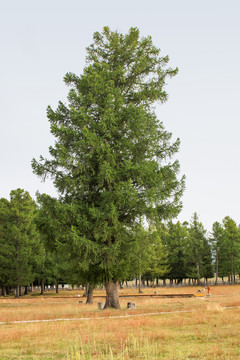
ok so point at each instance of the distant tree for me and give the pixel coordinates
(148, 256)
(19, 239)
(53, 229)
(207, 260)
(196, 247)
(175, 241)
(217, 239)
(6, 248)
(112, 155)
(158, 266)
(232, 245)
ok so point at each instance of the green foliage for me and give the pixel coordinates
(217, 239)
(199, 251)
(231, 262)
(148, 256)
(19, 241)
(175, 239)
(111, 159)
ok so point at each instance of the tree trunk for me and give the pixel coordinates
(57, 291)
(42, 287)
(89, 294)
(231, 268)
(198, 273)
(26, 290)
(139, 284)
(17, 291)
(112, 295)
(216, 280)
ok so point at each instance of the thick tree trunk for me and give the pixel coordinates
(112, 295)
(42, 286)
(89, 294)
(26, 290)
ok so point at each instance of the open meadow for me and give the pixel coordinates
(159, 327)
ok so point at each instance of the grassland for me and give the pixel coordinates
(183, 328)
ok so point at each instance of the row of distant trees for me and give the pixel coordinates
(39, 245)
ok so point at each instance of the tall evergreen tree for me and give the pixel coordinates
(112, 156)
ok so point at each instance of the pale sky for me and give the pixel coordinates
(41, 41)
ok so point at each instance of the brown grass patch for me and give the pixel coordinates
(206, 332)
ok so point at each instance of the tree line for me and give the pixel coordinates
(38, 246)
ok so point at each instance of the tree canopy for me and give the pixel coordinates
(112, 157)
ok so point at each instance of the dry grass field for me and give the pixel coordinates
(161, 328)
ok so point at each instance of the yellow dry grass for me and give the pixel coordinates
(194, 328)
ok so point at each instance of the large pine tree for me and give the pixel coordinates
(112, 156)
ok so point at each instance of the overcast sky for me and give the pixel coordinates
(41, 41)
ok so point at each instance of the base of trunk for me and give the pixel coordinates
(112, 295)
